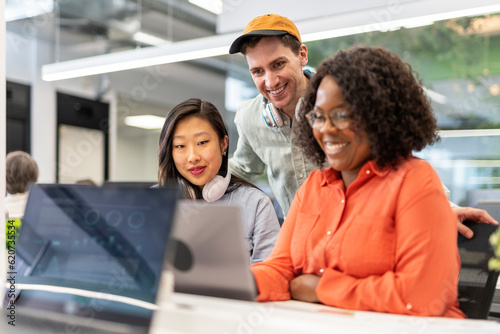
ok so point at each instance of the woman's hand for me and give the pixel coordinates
(303, 288)
(477, 215)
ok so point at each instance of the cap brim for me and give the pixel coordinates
(236, 46)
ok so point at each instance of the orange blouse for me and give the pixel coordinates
(387, 244)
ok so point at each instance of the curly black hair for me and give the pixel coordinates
(386, 101)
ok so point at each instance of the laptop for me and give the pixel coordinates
(212, 256)
(90, 258)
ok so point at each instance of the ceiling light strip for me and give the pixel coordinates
(145, 121)
(469, 133)
(219, 45)
(447, 163)
(150, 56)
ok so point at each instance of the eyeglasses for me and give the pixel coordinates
(338, 117)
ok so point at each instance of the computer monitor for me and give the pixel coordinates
(93, 255)
(476, 196)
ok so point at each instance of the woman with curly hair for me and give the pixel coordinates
(374, 230)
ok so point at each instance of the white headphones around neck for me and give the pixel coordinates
(216, 187)
(272, 115)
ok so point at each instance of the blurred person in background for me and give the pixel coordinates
(21, 172)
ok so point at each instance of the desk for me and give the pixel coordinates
(183, 313)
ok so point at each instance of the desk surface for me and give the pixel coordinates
(183, 313)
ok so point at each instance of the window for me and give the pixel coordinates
(458, 61)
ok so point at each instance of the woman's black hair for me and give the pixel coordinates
(167, 172)
(385, 99)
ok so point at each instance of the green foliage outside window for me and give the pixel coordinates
(459, 59)
(453, 50)
(12, 227)
(445, 49)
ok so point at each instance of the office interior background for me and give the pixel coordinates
(83, 127)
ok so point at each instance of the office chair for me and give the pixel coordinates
(476, 284)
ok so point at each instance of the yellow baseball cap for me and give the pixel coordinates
(266, 25)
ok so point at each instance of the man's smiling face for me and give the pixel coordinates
(277, 72)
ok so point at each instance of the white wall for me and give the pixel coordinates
(81, 154)
(18, 52)
(43, 116)
(137, 158)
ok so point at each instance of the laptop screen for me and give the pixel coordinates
(212, 257)
(85, 244)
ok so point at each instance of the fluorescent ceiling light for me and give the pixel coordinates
(137, 58)
(145, 121)
(469, 133)
(447, 163)
(219, 45)
(214, 6)
(149, 39)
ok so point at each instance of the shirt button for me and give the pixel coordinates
(367, 171)
(301, 175)
(409, 306)
(328, 232)
(285, 122)
(321, 270)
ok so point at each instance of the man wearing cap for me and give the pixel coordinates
(276, 57)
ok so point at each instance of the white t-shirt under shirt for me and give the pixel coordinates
(16, 204)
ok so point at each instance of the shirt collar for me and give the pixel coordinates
(331, 175)
(373, 167)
